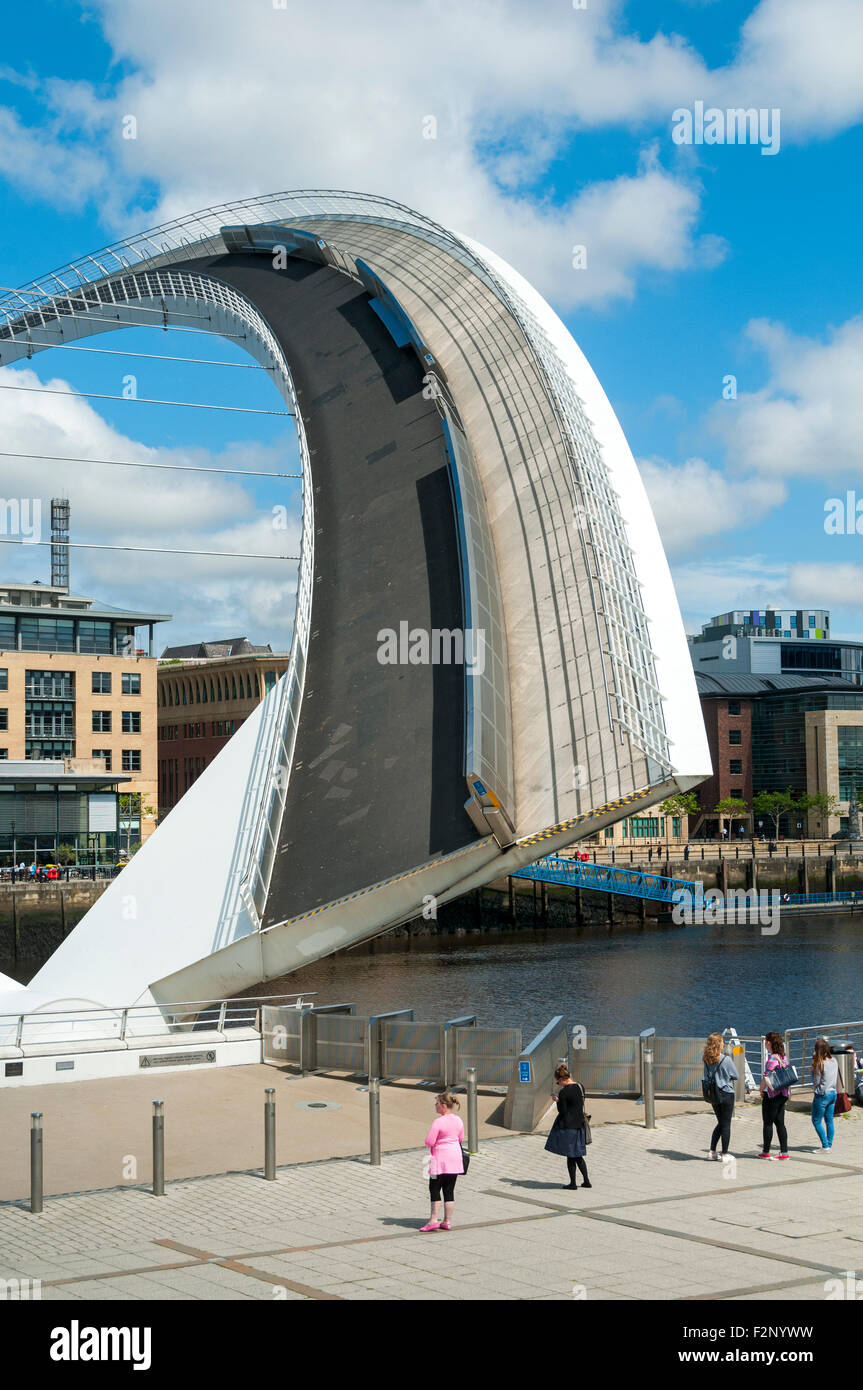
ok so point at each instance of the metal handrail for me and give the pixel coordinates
(185, 1015)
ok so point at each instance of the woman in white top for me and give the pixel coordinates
(825, 1082)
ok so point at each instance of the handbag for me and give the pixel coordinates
(588, 1137)
(781, 1077)
(842, 1103)
(465, 1157)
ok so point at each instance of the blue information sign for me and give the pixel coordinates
(524, 1071)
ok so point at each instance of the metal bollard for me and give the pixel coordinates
(374, 1122)
(158, 1148)
(270, 1134)
(36, 1161)
(472, 1125)
(649, 1101)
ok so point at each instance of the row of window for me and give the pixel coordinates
(216, 728)
(60, 685)
(194, 690)
(57, 720)
(130, 721)
(65, 635)
(130, 683)
(130, 758)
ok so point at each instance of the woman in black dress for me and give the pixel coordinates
(567, 1136)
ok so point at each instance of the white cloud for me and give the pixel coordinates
(694, 501)
(839, 585)
(715, 586)
(142, 507)
(807, 419)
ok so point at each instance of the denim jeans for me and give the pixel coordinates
(822, 1115)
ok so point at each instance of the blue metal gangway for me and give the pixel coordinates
(610, 878)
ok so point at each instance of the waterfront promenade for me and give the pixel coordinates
(659, 1222)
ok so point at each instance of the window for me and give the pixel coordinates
(131, 683)
(101, 721)
(4, 754)
(643, 827)
(4, 719)
(93, 635)
(735, 736)
(811, 620)
(131, 720)
(101, 683)
(735, 765)
(4, 678)
(738, 792)
(269, 680)
(131, 760)
(733, 706)
(103, 753)
(47, 634)
(49, 685)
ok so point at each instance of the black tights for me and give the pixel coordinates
(579, 1163)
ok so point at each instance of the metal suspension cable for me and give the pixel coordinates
(152, 549)
(142, 400)
(130, 463)
(156, 356)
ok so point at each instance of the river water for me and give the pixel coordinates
(682, 981)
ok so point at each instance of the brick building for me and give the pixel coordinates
(205, 692)
(772, 733)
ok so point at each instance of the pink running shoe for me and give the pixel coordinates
(431, 1226)
(445, 1226)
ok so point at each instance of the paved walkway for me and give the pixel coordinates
(659, 1222)
(99, 1133)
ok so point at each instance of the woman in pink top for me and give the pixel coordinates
(444, 1141)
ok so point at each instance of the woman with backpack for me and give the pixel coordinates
(825, 1083)
(717, 1086)
(568, 1134)
(446, 1161)
(773, 1098)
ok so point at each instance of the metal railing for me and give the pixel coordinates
(800, 1042)
(605, 878)
(126, 1025)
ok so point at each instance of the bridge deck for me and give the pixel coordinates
(378, 782)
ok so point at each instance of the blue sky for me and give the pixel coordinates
(553, 129)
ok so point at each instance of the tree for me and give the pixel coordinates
(824, 804)
(131, 805)
(680, 804)
(774, 805)
(67, 854)
(733, 808)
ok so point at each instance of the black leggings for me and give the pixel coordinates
(445, 1181)
(773, 1113)
(723, 1110)
(579, 1163)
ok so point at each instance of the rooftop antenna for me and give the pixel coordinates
(60, 543)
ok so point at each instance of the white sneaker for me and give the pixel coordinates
(727, 1158)
(711, 1153)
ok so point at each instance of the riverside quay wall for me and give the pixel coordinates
(34, 919)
